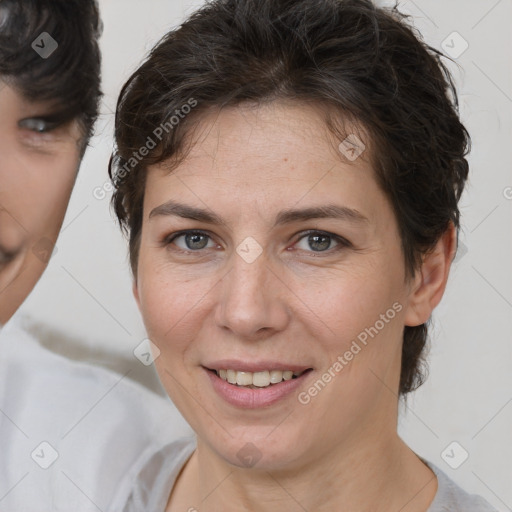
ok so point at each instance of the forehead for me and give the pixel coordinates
(265, 133)
(249, 165)
(267, 144)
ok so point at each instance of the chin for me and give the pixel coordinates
(257, 449)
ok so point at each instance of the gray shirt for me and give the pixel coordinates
(154, 476)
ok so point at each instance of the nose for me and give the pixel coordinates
(253, 299)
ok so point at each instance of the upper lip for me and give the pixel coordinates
(253, 366)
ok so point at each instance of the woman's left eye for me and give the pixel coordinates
(318, 241)
(37, 124)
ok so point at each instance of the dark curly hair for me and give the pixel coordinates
(365, 64)
(70, 77)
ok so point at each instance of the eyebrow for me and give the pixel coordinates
(288, 216)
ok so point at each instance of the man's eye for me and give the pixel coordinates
(37, 124)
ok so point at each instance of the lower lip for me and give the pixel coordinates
(249, 398)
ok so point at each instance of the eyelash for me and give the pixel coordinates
(342, 242)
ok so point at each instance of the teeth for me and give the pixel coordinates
(261, 379)
(231, 376)
(256, 379)
(276, 376)
(243, 378)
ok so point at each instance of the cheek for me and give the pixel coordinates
(55, 180)
(172, 314)
(38, 191)
(353, 300)
(170, 303)
(360, 339)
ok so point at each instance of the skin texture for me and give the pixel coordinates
(37, 173)
(292, 304)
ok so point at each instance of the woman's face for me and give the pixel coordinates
(38, 165)
(256, 288)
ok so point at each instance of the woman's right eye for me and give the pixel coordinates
(194, 241)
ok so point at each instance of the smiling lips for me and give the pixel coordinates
(255, 385)
(256, 389)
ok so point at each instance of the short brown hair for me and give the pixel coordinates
(365, 63)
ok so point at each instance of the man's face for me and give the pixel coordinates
(38, 166)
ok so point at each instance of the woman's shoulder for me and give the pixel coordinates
(149, 483)
(450, 497)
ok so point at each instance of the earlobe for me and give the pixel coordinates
(430, 280)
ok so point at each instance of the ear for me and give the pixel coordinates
(430, 280)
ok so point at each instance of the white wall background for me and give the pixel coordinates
(86, 290)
